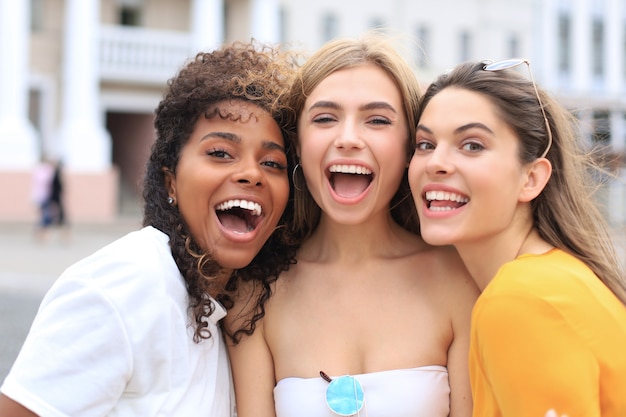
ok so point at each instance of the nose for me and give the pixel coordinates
(349, 137)
(439, 162)
(249, 174)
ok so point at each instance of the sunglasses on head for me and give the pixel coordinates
(344, 395)
(511, 63)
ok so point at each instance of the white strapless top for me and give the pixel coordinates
(417, 392)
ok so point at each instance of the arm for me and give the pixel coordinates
(458, 369)
(252, 367)
(533, 360)
(10, 408)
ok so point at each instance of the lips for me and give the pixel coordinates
(349, 180)
(239, 216)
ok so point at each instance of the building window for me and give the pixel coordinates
(377, 23)
(597, 49)
(601, 127)
(513, 46)
(564, 43)
(423, 39)
(330, 27)
(465, 47)
(129, 16)
(34, 108)
(283, 24)
(36, 15)
(35, 114)
(624, 52)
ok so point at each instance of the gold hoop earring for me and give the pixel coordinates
(293, 177)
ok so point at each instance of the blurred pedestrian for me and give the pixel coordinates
(41, 192)
(56, 203)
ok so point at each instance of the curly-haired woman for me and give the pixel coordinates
(133, 329)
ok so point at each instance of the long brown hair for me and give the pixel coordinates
(565, 213)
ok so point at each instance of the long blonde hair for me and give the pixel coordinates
(373, 48)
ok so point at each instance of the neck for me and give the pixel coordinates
(484, 258)
(340, 242)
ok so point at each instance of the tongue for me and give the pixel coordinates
(232, 222)
(350, 185)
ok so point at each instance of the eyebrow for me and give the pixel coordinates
(368, 106)
(267, 144)
(460, 129)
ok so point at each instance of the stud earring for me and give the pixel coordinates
(170, 200)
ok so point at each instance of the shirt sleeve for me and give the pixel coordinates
(533, 360)
(76, 359)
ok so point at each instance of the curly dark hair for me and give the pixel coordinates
(251, 72)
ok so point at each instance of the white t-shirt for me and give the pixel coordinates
(113, 338)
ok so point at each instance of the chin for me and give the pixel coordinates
(236, 260)
(436, 239)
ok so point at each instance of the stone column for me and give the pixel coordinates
(265, 24)
(85, 142)
(207, 25)
(18, 138)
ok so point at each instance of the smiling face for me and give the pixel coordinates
(352, 135)
(466, 176)
(231, 184)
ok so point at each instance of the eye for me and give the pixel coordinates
(275, 164)
(324, 118)
(472, 147)
(424, 145)
(219, 153)
(380, 121)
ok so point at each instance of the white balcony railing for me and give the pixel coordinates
(137, 55)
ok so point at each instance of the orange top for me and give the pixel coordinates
(547, 333)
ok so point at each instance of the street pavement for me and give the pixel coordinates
(28, 267)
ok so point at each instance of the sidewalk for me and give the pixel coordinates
(28, 268)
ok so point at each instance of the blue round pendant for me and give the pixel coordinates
(344, 396)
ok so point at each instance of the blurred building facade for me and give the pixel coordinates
(79, 79)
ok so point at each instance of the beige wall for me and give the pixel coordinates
(237, 20)
(87, 197)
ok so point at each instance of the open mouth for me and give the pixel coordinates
(239, 216)
(444, 201)
(349, 180)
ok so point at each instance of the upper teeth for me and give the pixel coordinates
(255, 208)
(350, 169)
(443, 195)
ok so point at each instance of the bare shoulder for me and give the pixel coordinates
(245, 305)
(447, 261)
(447, 269)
